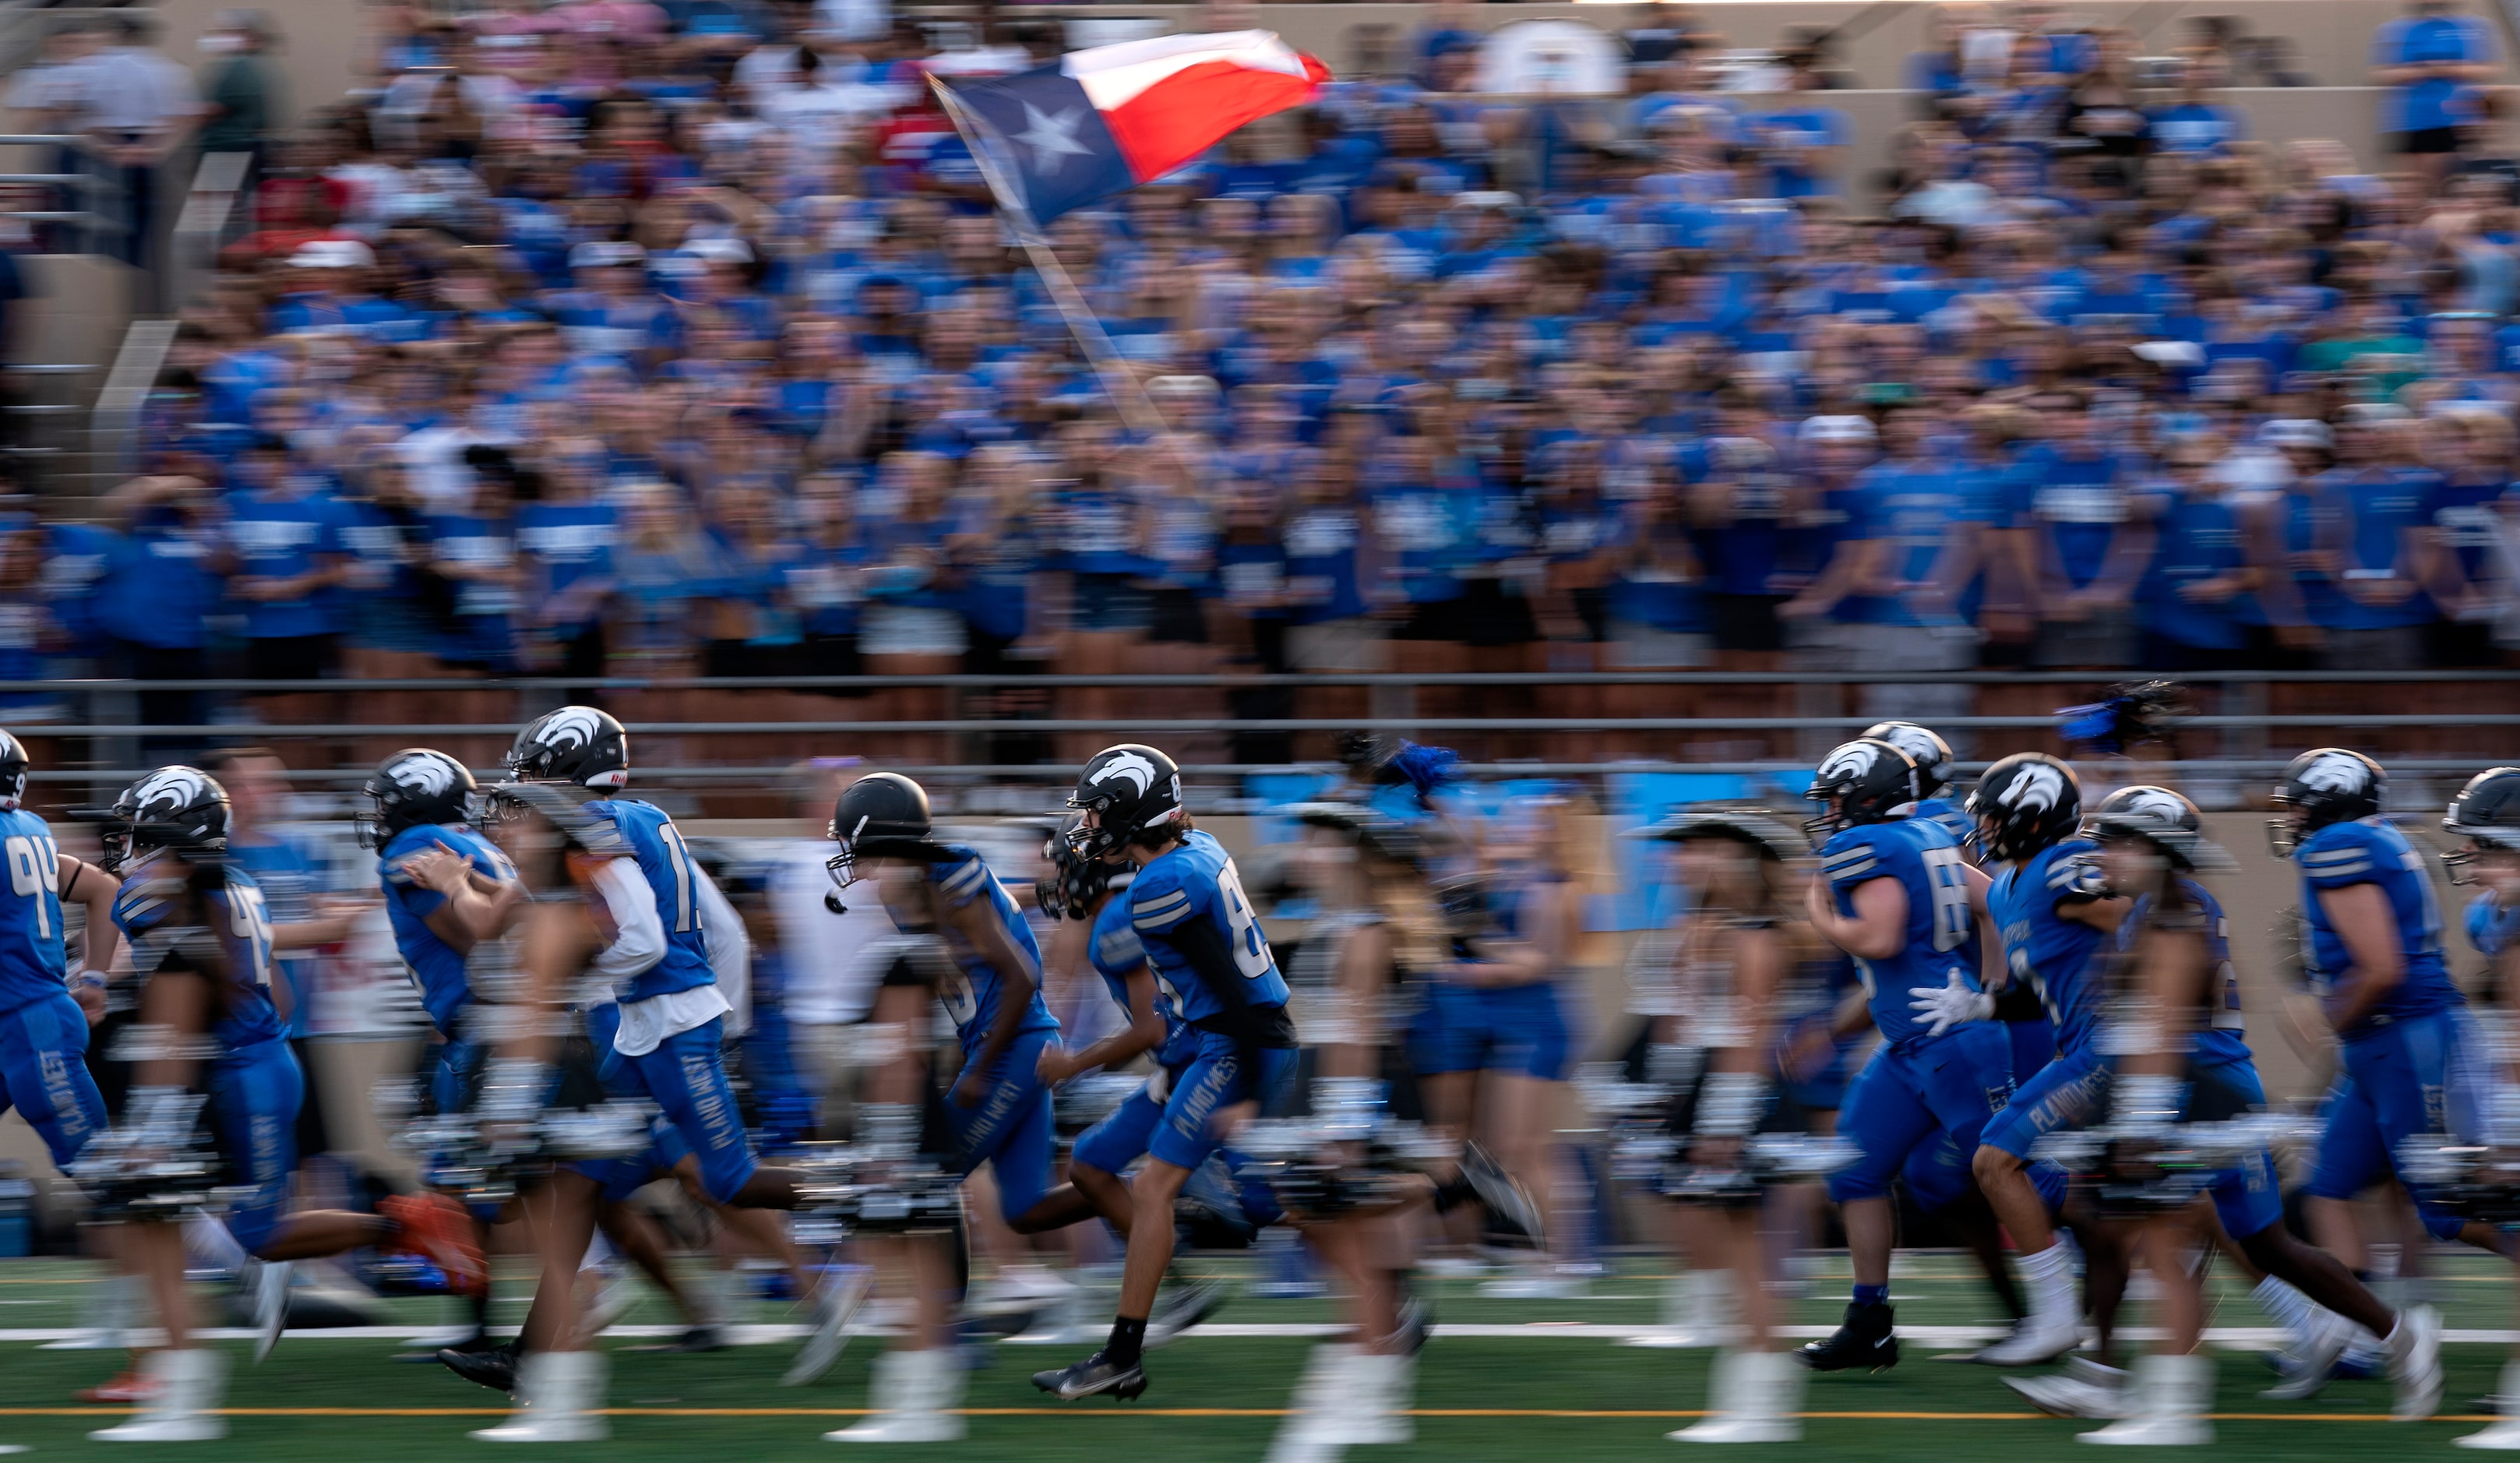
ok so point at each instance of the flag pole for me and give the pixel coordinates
(1128, 393)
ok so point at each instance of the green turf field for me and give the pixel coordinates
(1538, 1397)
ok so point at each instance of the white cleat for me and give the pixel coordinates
(270, 1307)
(2505, 1436)
(2033, 1343)
(2084, 1388)
(557, 1395)
(845, 1290)
(2168, 1400)
(915, 1394)
(2415, 1364)
(1695, 1305)
(1375, 1408)
(1753, 1396)
(185, 1406)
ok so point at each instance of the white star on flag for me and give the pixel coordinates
(1053, 139)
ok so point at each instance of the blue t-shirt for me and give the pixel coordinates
(2053, 956)
(158, 590)
(2195, 539)
(2076, 504)
(32, 963)
(1807, 128)
(2380, 505)
(1322, 543)
(283, 538)
(972, 998)
(2371, 850)
(1195, 884)
(1918, 510)
(2413, 40)
(1118, 954)
(243, 1016)
(1941, 925)
(443, 973)
(672, 876)
(2197, 127)
(566, 542)
(288, 875)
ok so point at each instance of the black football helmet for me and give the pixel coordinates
(1076, 878)
(2162, 818)
(12, 770)
(2024, 803)
(1756, 828)
(1924, 746)
(881, 814)
(181, 810)
(413, 787)
(581, 745)
(1129, 789)
(562, 806)
(2486, 813)
(1864, 781)
(2323, 786)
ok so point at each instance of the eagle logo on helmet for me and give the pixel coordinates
(571, 727)
(1913, 740)
(1131, 768)
(1849, 762)
(176, 786)
(2039, 788)
(2156, 802)
(2336, 772)
(427, 772)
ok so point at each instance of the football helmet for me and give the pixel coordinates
(1129, 789)
(1864, 781)
(182, 809)
(581, 745)
(2323, 786)
(2024, 803)
(2487, 811)
(413, 787)
(1923, 746)
(2162, 818)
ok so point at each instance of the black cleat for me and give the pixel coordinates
(495, 1369)
(1861, 1343)
(479, 1341)
(1503, 1192)
(1095, 1376)
(696, 1341)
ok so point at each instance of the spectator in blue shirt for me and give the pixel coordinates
(283, 553)
(2431, 58)
(161, 584)
(2381, 502)
(2200, 569)
(2195, 123)
(1913, 535)
(2461, 553)
(565, 536)
(2086, 546)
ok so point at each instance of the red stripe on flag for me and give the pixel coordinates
(1189, 112)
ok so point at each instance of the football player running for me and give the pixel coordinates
(676, 943)
(1894, 892)
(1205, 940)
(201, 946)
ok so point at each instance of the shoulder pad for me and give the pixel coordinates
(2076, 875)
(960, 883)
(1853, 854)
(2339, 854)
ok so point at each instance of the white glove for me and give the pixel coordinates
(1943, 1007)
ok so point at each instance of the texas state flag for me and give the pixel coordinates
(1110, 119)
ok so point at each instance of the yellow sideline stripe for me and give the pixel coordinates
(1128, 1411)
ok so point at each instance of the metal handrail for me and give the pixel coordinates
(1209, 725)
(1239, 680)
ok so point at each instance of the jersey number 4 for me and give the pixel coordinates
(35, 871)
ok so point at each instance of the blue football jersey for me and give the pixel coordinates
(2058, 957)
(444, 974)
(31, 961)
(1116, 952)
(1941, 926)
(146, 911)
(2371, 850)
(672, 875)
(1194, 881)
(960, 878)
(1946, 814)
(2490, 926)
(2225, 1036)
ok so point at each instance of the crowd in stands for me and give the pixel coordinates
(609, 336)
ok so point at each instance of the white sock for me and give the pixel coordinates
(208, 1244)
(598, 1250)
(2286, 1307)
(2366, 1350)
(2051, 1282)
